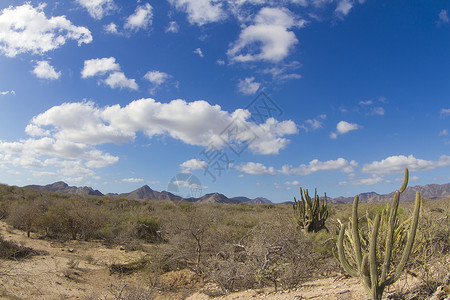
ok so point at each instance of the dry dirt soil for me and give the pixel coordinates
(80, 270)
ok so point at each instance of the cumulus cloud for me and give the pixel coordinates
(111, 28)
(253, 168)
(156, 77)
(119, 80)
(102, 66)
(343, 127)
(193, 164)
(200, 12)
(79, 122)
(374, 179)
(33, 152)
(269, 35)
(248, 86)
(194, 123)
(133, 180)
(396, 164)
(98, 8)
(315, 165)
(141, 19)
(27, 29)
(99, 66)
(44, 70)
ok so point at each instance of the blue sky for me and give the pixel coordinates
(251, 97)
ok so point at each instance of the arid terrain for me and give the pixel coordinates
(81, 270)
(58, 246)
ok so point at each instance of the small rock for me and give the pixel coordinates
(71, 250)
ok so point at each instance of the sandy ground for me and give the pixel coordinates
(80, 270)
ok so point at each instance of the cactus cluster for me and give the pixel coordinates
(310, 214)
(375, 274)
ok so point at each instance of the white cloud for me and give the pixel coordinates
(270, 33)
(78, 123)
(256, 169)
(98, 8)
(367, 102)
(133, 180)
(99, 66)
(313, 124)
(26, 29)
(378, 111)
(199, 52)
(156, 77)
(248, 86)
(220, 62)
(445, 112)
(4, 93)
(200, 12)
(343, 127)
(443, 16)
(44, 70)
(374, 179)
(111, 28)
(396, 164)
(315, 165)
(35, 153)
(194, 123)
(119, 80)
(173, 27)
(193, 164)
(444, 132)
(343, 8)
(283, 72)
(293, 183)
(141, 19)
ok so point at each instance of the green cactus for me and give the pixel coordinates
(310, 214)
(375, 274)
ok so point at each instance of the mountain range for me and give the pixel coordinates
(429, 191)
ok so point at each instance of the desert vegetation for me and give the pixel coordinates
(223, 248)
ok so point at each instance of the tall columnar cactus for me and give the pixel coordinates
(310, 214)
(375, 277)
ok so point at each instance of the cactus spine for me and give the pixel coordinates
(310, 214)
(373, 279)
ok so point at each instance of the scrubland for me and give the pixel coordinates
(59, 246)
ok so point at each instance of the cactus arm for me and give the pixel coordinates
(373, 258)
(344, 262)
(365, 278)
(389, 238)
(409, 243)
(355, 233)
(405, 181)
